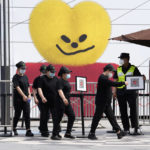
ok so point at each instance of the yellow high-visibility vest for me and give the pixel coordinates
(121, 75)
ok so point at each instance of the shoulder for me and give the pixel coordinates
(43, 77)
(134, 67)
(102, 77)
(60, 81)
(15, 77)
(37, 79)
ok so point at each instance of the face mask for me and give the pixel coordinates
(121, 62)
(52, 74)
(22, 71)
(68, 76)
(110, 75)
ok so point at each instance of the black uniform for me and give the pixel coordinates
(48, 86)
(103, 102)
(61, 107)
(36, 82)
(128, 96)
(19, 104)
(35, 86)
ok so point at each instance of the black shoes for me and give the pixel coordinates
(15, 132)
(59, 136)
(126, 132)
(29, 133)
(69, 136)
(137, 131)
(45, 134)
(120, 135)
(92, 136)
(55, 137)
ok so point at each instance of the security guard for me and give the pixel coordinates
(36, 96)
(103, 102)
(48, 93)
(127, 96)
(63, 100)
(22, 97)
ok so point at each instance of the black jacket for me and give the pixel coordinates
(104, 89)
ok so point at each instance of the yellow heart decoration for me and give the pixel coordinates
(70, 36)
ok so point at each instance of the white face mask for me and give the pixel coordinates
(121, 62)
(22, 71)
(68, 76)
(110, 75)
(52, 75)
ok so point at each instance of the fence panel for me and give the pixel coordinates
(89, 104)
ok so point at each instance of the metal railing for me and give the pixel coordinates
(89, 103)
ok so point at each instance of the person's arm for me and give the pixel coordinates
(137, 73)
(59, 87)
(19, 90)
(29, 92)
(34, 95)
(25, 98)
(40, 86)
(61, 94)
(34, 90)
(115, 90)
(44, 100)
(114, 83)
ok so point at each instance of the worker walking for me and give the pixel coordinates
(103, 102)
(48, 93)
(63, 100)
(37, 98)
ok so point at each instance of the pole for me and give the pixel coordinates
(5, 63)
(82, 114)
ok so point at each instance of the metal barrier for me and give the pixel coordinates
(6, 108)
(144, 104)
(89, 104)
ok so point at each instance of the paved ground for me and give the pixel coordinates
(106, 140)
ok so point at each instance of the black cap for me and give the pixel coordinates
(21, 65)
(43, 68)
(124, 55)
(51, 68)
(62, 70)
(109, 67)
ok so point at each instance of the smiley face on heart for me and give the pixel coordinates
(70, 36)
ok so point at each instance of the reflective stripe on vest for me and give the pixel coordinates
(121, 75)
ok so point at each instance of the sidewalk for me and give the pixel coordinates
(106, 141)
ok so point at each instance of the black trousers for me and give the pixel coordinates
(70, 114)
(100, 109)
(19, 106)
(48, 115)
(46, 109)
(123, 99)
